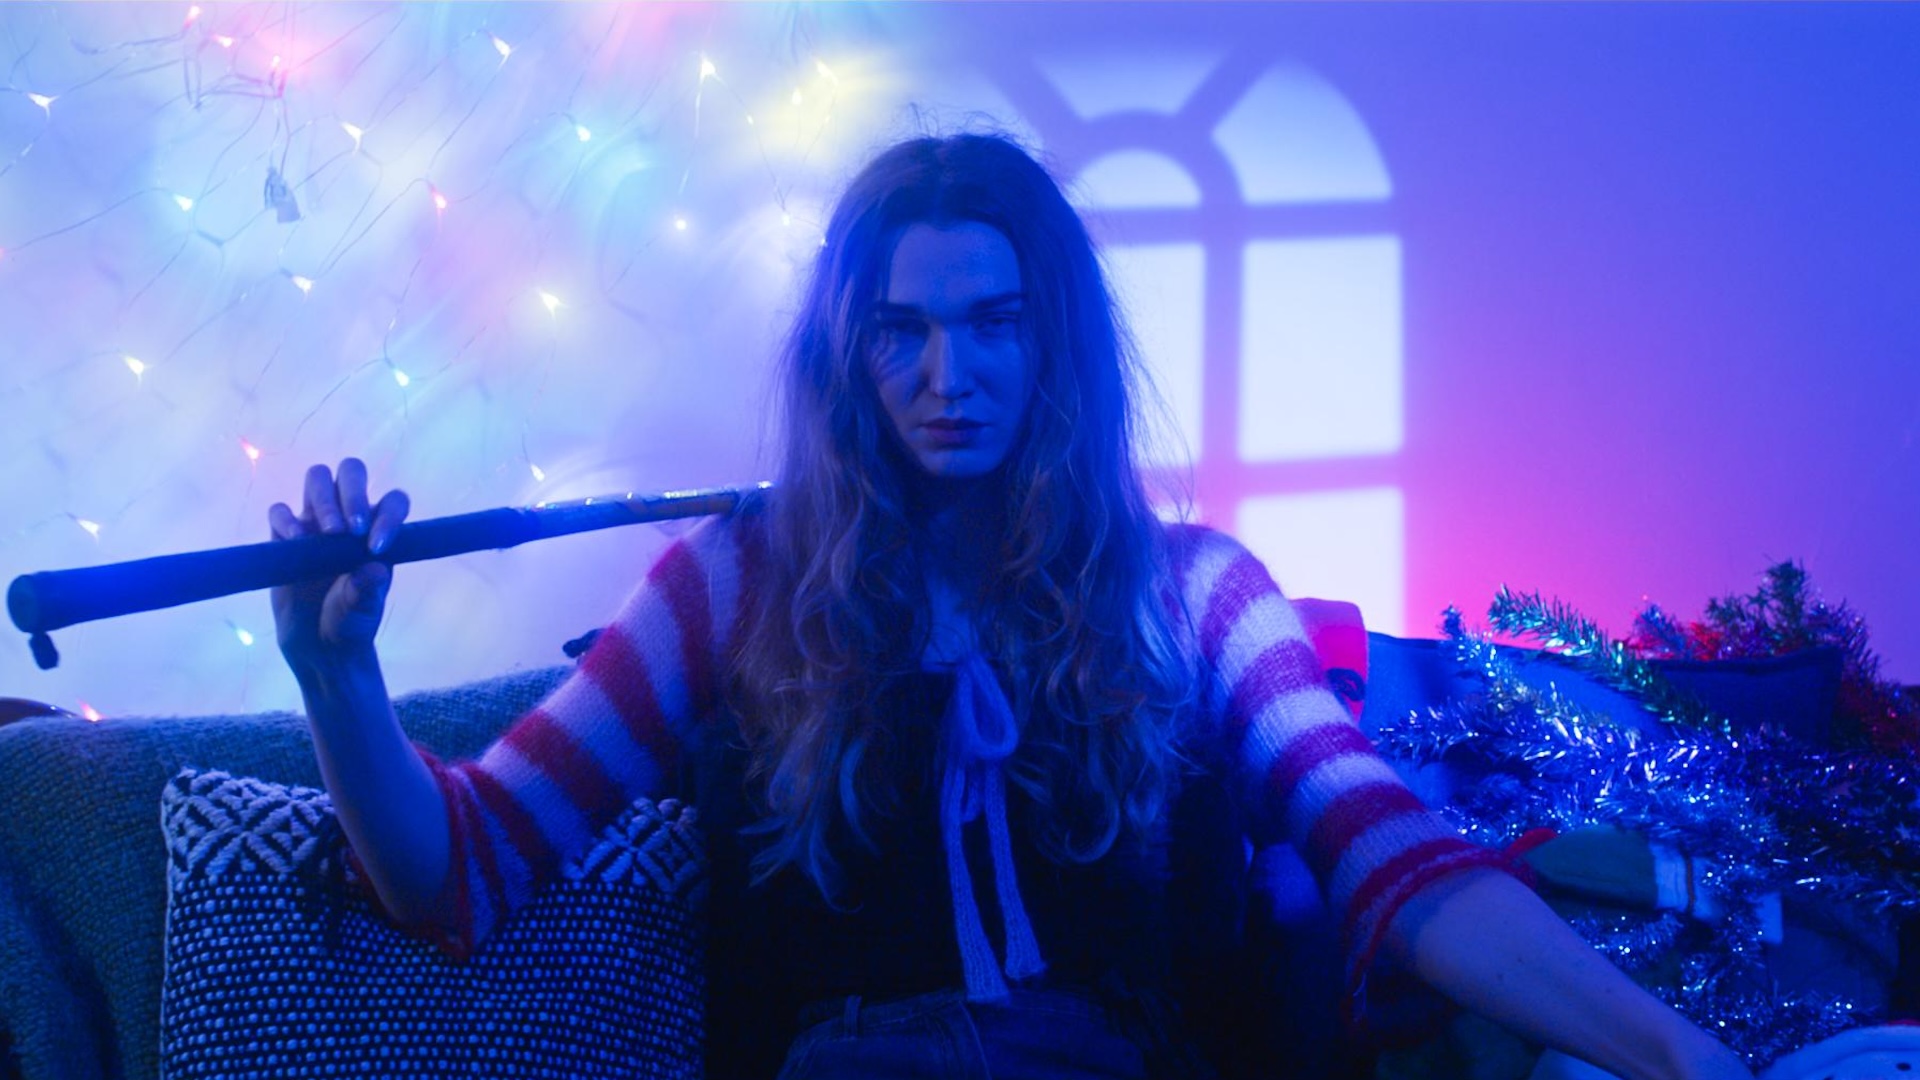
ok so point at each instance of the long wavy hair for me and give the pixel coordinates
(1076, 616)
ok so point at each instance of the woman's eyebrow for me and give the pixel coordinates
(999, 300)
(884, 308)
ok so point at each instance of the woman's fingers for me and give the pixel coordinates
(322, 505)
(283, 524)
(343, 610)
(350, 482)
(350, 615)
(387, 518)
(370, 583)
(336, 502)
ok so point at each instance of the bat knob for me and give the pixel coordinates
(44, 653)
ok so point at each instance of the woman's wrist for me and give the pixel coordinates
(334, 674)
(1674, 1047)
(1696, 1055)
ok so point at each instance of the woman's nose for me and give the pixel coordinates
(946, 369)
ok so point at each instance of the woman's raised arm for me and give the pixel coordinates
(452, 849)
(384, 794)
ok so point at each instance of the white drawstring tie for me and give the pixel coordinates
(981, 735)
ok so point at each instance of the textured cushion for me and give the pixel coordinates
(1795, 693)
(278, 965)
(1339, 637)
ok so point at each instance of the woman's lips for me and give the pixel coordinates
(952, 432)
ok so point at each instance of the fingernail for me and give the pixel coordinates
(359, 524)
(379, 543)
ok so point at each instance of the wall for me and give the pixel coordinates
(1653, 270)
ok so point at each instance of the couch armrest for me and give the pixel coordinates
(82, 849)
(52, 1015)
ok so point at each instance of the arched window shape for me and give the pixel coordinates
(1245, 209)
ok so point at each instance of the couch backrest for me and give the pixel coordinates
(82, 864)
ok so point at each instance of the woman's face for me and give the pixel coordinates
(948, 350)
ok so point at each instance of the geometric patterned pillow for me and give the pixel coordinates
(278, 966)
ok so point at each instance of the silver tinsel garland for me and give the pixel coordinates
(1759, 814)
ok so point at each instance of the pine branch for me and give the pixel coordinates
(1559, 628)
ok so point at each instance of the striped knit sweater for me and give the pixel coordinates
(613, 730)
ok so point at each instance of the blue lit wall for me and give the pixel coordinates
(1617, 302)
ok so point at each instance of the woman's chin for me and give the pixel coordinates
(966, 464)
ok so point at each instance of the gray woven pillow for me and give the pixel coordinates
(277, 966)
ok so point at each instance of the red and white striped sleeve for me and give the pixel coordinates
(1304, 769)
(609, 734)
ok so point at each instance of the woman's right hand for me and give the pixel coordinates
(384, 793)
(323, 622)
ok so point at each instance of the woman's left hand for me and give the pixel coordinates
(1711, 1060)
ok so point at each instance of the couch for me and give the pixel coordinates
(83, 890)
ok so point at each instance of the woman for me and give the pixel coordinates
(939, 696)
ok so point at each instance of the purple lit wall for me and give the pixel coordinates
(1616, 302)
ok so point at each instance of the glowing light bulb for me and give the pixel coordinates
(401, 377)
(43, 101)
(186, 204)
(353, 133)
(749, 119)
(797, 98)
(553, 302)
(304, 284)
(92, 527)
(505, 50)
(246, 638)
(707, 70)
(193, 15)
(825, 71)
(276, 63)
(439, 200)
(537, 474)
(252, 451)
(92, 714)
(225, 41)
(786, 219)
(137, 366)
(581, 131)
(680, 223)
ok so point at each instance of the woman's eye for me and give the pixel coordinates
(891, 330)
(996, 325)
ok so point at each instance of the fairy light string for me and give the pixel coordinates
(332, 178)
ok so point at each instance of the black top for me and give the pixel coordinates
(1109, 926)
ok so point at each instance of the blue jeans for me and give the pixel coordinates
(1034, 1035)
